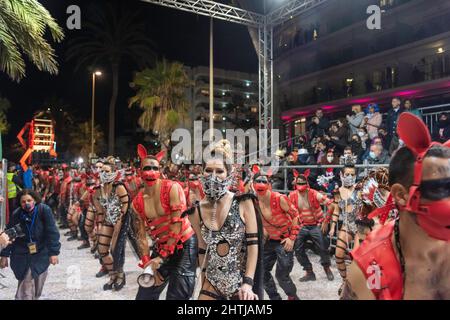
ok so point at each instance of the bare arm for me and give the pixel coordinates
(139, 227)
(355, 287)
(202, 246)
(122, 193)
(251, 227)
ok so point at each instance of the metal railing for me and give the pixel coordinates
(285, 169)
(430, 115)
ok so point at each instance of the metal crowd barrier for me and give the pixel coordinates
(285, 169)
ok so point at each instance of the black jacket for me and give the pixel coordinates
(46, 236)
(391, 121)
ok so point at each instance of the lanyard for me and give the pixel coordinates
(30, 228)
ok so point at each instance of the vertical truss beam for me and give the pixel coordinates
(265, 57)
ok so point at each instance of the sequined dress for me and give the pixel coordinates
(349, 217)
(112, 207)
(225, 272)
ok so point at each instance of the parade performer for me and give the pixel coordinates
(346, 207)
(112, 202)
(158, 210)
(409, 257)
(374, 196)
(230, 234)
(281, 227)
(308, 202)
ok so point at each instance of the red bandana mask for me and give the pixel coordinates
(433, 217)
(150, 177)
(194, 184)
(261, 188)
(305, 175)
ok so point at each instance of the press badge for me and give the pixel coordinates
(32, 247)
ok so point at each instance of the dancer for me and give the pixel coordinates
(409, 258)
(157, 210)
(281, 228)
(112, 202)
(346, 207)
(230, 241)
(308, 202)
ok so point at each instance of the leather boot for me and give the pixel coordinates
(330, 275)
(309, 276)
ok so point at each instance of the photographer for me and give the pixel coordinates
(32, 254)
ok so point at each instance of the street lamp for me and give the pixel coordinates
(96, 73)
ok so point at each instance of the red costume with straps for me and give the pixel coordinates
(314, 214)
(377, 259)
(161, 225)
(280, 225)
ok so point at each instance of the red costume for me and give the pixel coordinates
(378, 250)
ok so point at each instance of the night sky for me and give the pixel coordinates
(178, 35)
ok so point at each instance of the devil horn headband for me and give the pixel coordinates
(142, 152)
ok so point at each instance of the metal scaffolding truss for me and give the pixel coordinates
(265, 57)
(265, 25)
(214, 9)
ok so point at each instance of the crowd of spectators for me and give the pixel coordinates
(362, 137)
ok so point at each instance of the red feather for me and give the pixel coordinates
(296, 173)
(256, 169)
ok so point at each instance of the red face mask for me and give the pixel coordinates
(302, 188)
(433, 217)
(129, 178)
(150, 177)
(261, 188)
(194, 184)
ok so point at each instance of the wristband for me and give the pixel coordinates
(145, 260)
(248, 280)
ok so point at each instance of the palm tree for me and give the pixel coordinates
(22, 29)
(81, 139)
(111, 36)
(4, 106)
(161, 93)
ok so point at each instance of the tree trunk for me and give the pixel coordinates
(112, 109)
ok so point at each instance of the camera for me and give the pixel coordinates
(15, 232)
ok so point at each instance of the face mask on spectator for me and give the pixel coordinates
(330, 159)
(361, 133)
(372, 155)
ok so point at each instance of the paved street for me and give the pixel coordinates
(74, 279)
